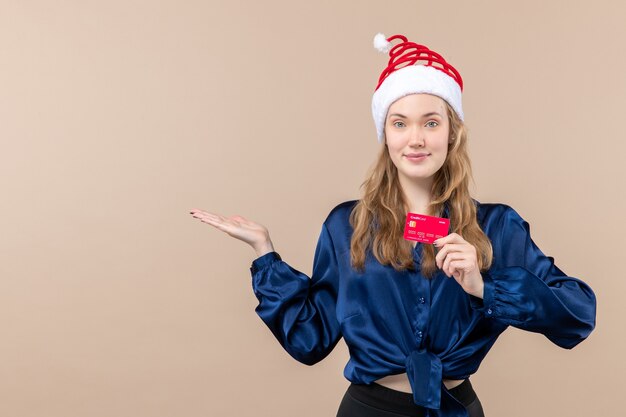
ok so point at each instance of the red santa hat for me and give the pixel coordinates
(412, 68)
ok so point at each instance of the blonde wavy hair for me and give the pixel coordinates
(378, 217)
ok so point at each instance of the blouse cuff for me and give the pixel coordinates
(486, 305)
(263, 261)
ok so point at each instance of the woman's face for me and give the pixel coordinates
(417, 124)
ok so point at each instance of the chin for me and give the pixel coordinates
(418, 175)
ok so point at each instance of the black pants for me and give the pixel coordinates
(375, 400)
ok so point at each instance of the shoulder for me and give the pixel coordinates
(499, 216)
(341, 211)
(492, 209)
(340, 214)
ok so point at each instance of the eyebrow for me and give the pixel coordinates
(432, 113)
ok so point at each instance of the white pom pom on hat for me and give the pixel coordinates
(412, 68)
(381, 43)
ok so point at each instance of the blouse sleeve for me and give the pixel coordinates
(300, 311)
(527, 290)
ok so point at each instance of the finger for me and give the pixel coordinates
(440, 256)
(455, 247)
(451, 269)
(224, 226)
(217, 224)
(445, 265)
(214, 219)
(445, 250)
(446, 239)
(197, 213)
(456, 270)
(211, 221)
(206, 215)
(451, 238)
(456, 273)
(456, 256)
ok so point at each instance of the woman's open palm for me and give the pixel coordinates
(255, 234)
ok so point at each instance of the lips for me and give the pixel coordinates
(416, 155)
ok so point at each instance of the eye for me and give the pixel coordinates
(396, 124)
(432, 125)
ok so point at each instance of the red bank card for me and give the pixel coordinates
(426, 229)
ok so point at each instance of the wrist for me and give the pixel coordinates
(264, 248)
(480, 291)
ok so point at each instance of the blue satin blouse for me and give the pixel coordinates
(395, 322)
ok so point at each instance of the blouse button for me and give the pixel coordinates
(422, 300)
(419, 333)
(489, 311)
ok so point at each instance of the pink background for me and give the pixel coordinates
(118, 117)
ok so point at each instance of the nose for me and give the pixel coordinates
(417, 137)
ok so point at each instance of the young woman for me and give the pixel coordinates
(417, 318)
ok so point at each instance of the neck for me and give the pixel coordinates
(417, 193)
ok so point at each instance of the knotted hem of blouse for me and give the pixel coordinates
(424, 370)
